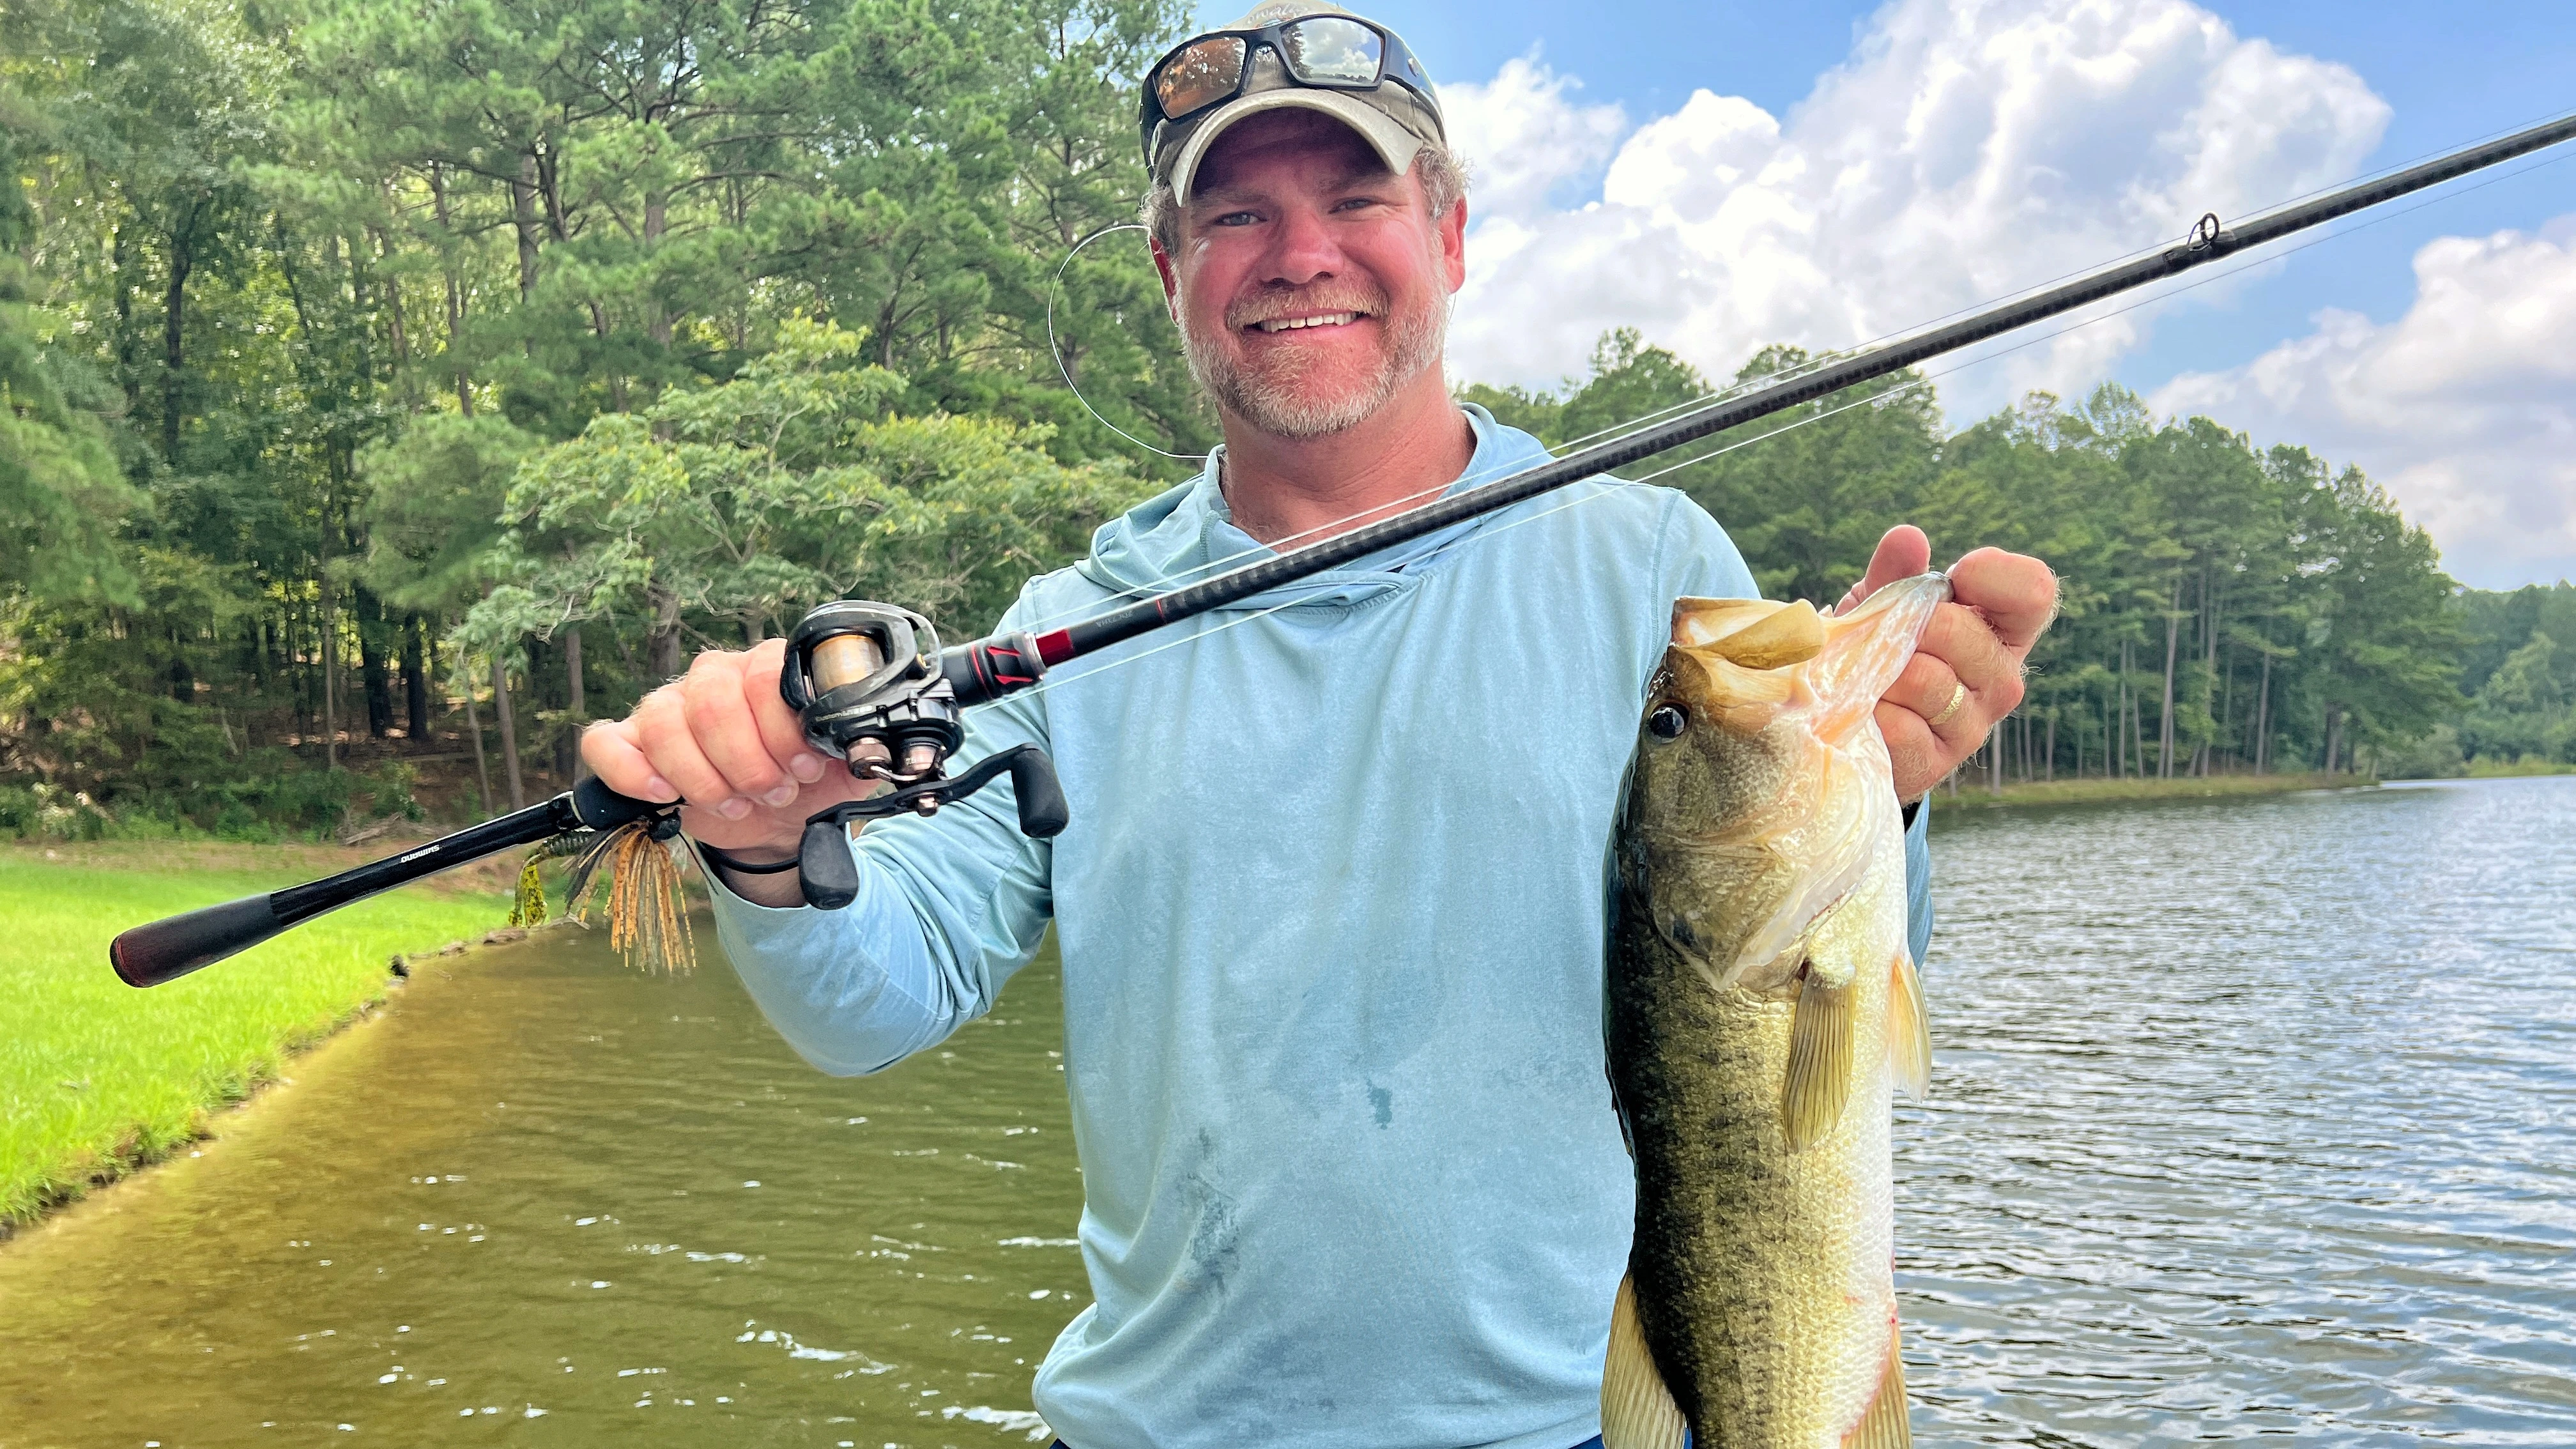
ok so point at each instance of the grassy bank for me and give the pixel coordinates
(2106, 792)
(97, 1077)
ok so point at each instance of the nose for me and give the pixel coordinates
(1302, 249)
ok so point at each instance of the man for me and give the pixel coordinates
(1331, 902)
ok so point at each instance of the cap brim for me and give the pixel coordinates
(1394, 145)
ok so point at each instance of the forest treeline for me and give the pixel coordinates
(2225, 609)
(394, 381)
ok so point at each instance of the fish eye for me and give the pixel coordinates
(1667, 722)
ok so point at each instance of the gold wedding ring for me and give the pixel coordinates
(1958, 697)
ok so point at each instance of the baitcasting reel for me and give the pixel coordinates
(875, 690)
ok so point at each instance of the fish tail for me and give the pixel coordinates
(1637, 1410)
(1885, 1423)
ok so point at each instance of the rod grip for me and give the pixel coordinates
(166, 950)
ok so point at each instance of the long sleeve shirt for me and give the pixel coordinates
(1331, 910)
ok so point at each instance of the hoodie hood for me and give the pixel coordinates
(1188, 534)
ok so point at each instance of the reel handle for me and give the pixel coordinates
(829, 875)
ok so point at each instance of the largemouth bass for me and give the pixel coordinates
(1761, 1005)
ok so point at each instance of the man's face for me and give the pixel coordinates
(1312, 283)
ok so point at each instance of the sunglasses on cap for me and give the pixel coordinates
(1325, 52)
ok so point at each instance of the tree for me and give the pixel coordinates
(61, 493)
(753, 500)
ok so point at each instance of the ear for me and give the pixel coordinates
(1171, 279)
(1453, 245)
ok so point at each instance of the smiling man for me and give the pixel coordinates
(1331, 904)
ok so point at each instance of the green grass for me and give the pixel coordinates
(1974, 796)
(96, 1077)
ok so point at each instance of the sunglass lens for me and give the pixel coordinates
(1333, 51)
(1199, 75)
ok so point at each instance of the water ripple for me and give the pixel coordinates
(2251, 1120)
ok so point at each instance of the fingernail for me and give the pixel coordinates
(807, 768)
(783, 795)
(658, 788)
(733, 807)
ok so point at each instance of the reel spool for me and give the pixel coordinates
(873, 689)
(865, 678)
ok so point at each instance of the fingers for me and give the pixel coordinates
(1959, 639)
(780, 729)
(1962, 676)
(1927, 691)
(718, 738)
(1902, 552)
(615, 754)
(669, 740)
(2016, 593)
(1916, 758)
(724, 722)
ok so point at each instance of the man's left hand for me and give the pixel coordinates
(1966, 672)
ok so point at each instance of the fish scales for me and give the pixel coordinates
(1760, 1010)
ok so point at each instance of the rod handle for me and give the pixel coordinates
(165, 950)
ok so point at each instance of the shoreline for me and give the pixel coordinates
(124, 1164)
(2036, 794)
(106, 1090)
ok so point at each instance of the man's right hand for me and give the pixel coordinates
(722, 741)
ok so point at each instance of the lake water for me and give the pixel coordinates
(2250, 1119)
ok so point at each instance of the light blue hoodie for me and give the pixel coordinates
(1331, 911)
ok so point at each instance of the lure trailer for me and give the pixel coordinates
(875, 689)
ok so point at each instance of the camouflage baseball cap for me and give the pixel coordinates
(1345, 66)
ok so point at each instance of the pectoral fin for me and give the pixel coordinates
(1909, 1037)
(1885, 1424)
(1637, 1411)
(1820, 1061)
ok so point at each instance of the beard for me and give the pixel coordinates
(1290, 395)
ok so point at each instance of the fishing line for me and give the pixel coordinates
(1057, 352)
(1098, 608)
(1875, 399)
(1215, 565)
(1611, 485)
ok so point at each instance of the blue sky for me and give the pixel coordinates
(2407, 79)
(2481, 67)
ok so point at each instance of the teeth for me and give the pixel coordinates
(1290, 324)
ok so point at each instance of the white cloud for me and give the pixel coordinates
(1529, 137)
(1966, 149)
(2464, 408)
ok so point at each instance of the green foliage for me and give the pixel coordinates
(2292, 619)
(434, 505)
(2519, 670)
(351, 348)
(756, 499)
(61, 493)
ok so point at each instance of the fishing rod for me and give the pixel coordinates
(874, 688)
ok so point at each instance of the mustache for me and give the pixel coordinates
(1273, 302)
